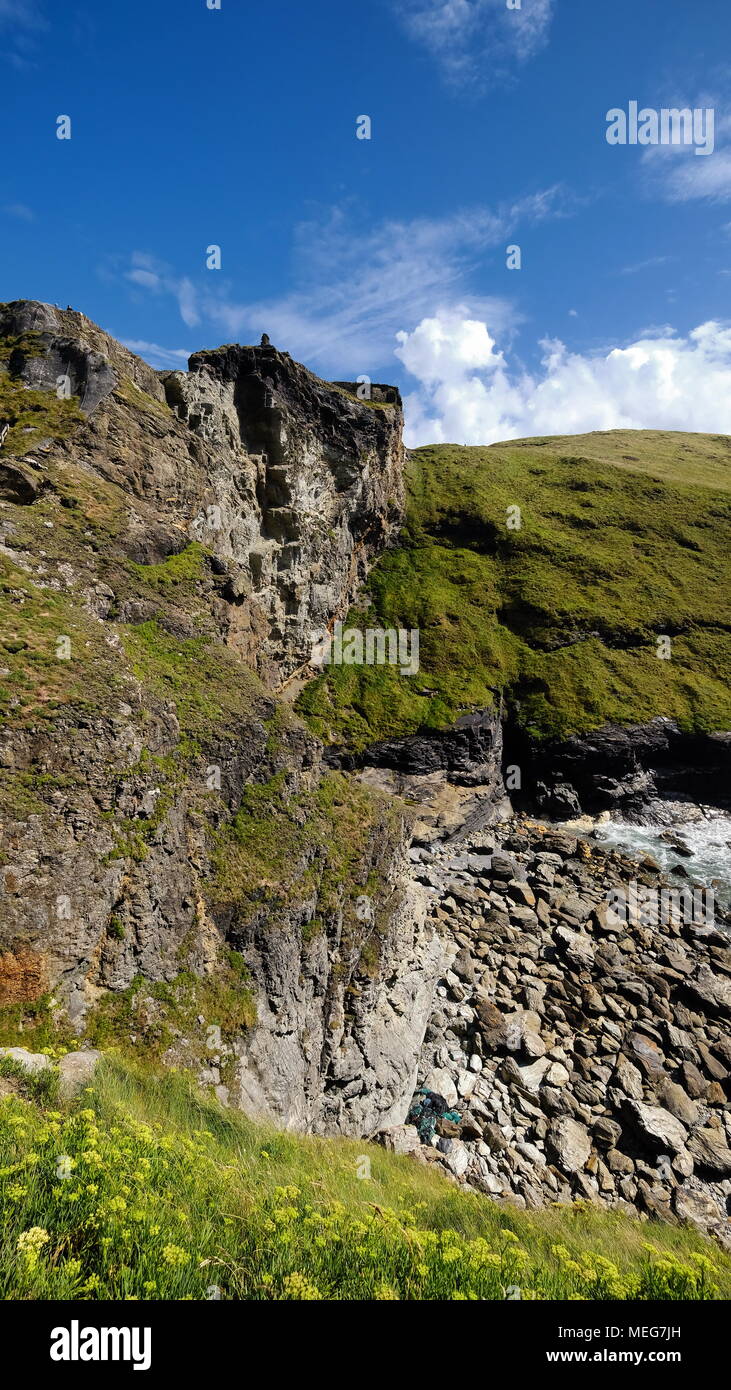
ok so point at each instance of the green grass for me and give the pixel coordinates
(361, 400)
(209, 687)
(146, 1190)
(560, 617)
(37, 1025)
(36, 679)
(704, 460)
(34, 415)
(28, 344)
(132, 395)
(158, 1013)
(184, 568)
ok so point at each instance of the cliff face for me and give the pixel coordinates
(293, 485)
(176, 862)
(308, 483)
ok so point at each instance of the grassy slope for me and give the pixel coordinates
(673, 456)
(623, 537)
(169, 1196)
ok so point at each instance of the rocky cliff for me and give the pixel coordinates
(187, 871)
(178, 867)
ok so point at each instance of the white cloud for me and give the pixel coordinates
(703, 178)
(355, 290)
(21, 211)
(147, 278)
(639, 266)
(679, 175)
(468, 394)
(148, 273)
(20, 23)
(475, 40)
(156, 355)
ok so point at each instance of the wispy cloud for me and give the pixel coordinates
(354, 291)
(156, 355)
(19, 210)
(475, 41)
(21, 22)
(148, 273)
(678, 175)
(638, 267)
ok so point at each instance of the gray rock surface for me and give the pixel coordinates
(32, 1062)
(603, 1055)
(76, 1071)
(282, 489)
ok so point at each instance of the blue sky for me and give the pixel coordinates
(386, 257)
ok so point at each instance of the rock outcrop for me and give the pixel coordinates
(622, 769)
(293, 485)
(171, 546)
(308, 483)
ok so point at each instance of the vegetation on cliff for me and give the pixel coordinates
(621, 538)
(162, 1194)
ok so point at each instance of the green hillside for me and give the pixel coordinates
(164, 1195)
(673, 457)
(623, 537)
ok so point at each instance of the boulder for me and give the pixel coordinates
(75, 1071)
(695, 1206)
(619, 1162)
(521, 893)
(466, 1082)
(606, 1132)
(32, 1062)
(530, 1077)
(575, 946)
(712, 991)
(677, 1102)
(627, 1078)
(494, 1138)
(440, 1080)
(463, 966)
(648, 1056)
(502, 867)
(457, 1161)
(399, 1139)
(660, 1130)
(568, 1143)
(695, 1083)
(711, 1152)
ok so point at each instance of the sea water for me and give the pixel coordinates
(705, 832)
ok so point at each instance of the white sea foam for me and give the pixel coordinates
(708, 838)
